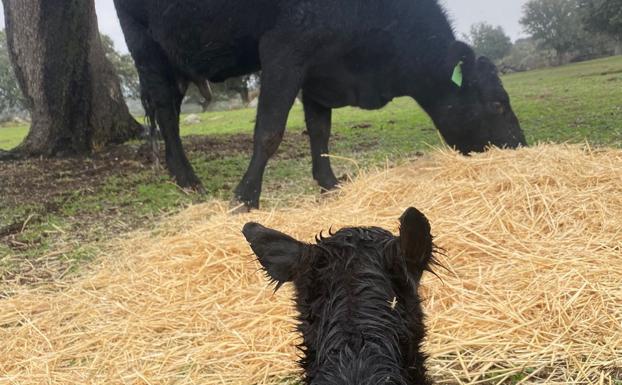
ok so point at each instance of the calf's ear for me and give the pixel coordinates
(278, 253)
(416, 241)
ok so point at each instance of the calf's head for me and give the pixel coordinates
(356, 293)
(472, 109)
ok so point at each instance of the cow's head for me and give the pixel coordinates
(356, 292)
(472, 109)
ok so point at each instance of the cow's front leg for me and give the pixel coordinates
(318, 119)
(280, 82)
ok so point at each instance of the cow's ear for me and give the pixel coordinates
(416, 241)
(460, 60)
(487, 70)
(278, 253)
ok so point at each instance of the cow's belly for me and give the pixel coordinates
(201, 39)
(362, 72)
(335, 88)
(212, 59)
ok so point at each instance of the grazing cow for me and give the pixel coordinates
(339, 53)
(356, 291)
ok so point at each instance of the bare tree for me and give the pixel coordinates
(69, 86)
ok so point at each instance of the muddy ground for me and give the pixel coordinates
(44, 229)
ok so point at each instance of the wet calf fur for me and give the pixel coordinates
(356, 293)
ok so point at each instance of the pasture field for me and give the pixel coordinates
(11, 135)
(57, 214)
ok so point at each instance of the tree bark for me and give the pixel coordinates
(70, 87)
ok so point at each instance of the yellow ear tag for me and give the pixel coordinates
(456, 77)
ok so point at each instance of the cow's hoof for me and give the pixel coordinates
(195, 187)
(332, 186)
(330, 183)
(330, 190)
(199, 189)
(192, 183)
(236, 206)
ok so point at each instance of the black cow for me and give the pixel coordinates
(360, 315)
(349, 52)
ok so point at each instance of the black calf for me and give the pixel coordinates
(356, 291)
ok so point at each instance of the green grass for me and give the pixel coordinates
(575, 103)
(11, 135)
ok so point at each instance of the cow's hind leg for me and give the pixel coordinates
(280, 82)
(318, 119)
(162, 91)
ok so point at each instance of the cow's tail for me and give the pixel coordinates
(150, 120)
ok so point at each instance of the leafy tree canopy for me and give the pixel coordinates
(10, 95)
(124, 67)
(557, 24)
(490, 41)
(603, 16)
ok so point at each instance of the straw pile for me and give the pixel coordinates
(533, 291)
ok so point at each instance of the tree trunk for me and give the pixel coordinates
(70, 87)
(560, 58)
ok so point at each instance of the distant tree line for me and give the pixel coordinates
(561, 31)
(11, 98)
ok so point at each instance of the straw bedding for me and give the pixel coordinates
(532, 292)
